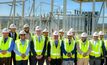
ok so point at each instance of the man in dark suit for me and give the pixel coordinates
(13, 34)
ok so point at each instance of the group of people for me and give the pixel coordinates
(23, 47)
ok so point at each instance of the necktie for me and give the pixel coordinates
(5, 40)
(56, 43)
(39, 39)
(69, 42)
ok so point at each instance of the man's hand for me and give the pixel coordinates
(49, 59)
(69, 54)
(39, 56)
(23, 55)
(85, 54)
(4, 52)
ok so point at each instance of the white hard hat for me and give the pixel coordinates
(26, 25)
(45, 30)
(22, 32)
(5, 30)
(12, 26)
(69, 33)
(61, 30)
(72, 30)
(37, 28)
(101, 33)
(95, 34)
(84, 34)
(55, 33)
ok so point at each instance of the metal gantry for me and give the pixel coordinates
(60, 16)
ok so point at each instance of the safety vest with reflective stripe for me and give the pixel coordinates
(96, 48)
(22, 49)
(84, 47)
(69, 48)
(38, 46)
(5, 46)
(55, 51)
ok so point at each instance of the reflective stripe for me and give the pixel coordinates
(55, 54)
(38, 50)
(96, 52)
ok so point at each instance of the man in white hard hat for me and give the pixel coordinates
(38, 47)
(47, 38)
(101, 37)
(75, 37)
(13, 34)
(61, 34)
(45, 32)
(72, 30)
(69, 49)
(6, 47)
(83, 50)
(96, 50)
(54, 50)
(21, 49)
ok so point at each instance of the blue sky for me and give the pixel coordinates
(5, 9)
(45, 8)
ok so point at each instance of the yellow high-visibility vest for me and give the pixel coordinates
(96, 48)
(84, 47)
(38, 46)
(5, 46)
(55, 51)
(22, 49)
(69, 48)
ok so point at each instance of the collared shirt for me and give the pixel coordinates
(95, 42)
(56, 43)
(39, 38)
(69, 41)
(5, 40)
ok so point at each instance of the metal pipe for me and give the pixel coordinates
(10, 15)
(14, 10)
(93, 17)
(33, 13)
(80, 7)
(64, 14)
(23, 11)
(9, 2)
(103, 16)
